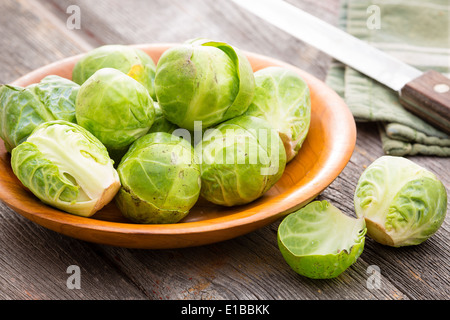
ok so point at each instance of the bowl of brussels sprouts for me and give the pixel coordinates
(168, 145)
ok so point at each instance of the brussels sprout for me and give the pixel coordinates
(23, 109)
(241, 159)
(203, 80)
(131, 61)
(160, 179)
(66, 167)
(319, 241)
(403, 203)
(282, 98)
(115, 108)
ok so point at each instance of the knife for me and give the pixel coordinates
(426, 94)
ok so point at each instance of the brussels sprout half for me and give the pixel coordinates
(160, 179)
(66, 167)
(115, 108)
(282, 98)
(131, 61)
(23, 109)
(403, 203)
(319, 241)
(241, 159)
(203, 80)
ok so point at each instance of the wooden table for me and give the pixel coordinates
(35, 262)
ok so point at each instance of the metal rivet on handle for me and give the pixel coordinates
(441, 88)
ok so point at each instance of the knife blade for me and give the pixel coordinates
(426, 94)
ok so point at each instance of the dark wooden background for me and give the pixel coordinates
(34, 260)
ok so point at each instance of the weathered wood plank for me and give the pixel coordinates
(34, 265)
(159, 21)
(30, 40)
(249, 267)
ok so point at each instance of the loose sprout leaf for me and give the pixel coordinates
(320, 229)
(246, 80)
(319, 241)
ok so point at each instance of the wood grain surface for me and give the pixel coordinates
(34, 260)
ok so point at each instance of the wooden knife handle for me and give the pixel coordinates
(428, 96)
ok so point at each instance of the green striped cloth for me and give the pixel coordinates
(418, 33)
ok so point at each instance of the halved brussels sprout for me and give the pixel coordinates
(23, 109)
(131, 61)
(319, 241)
(282, 98)
(403, 203)
(203, 80)
(241, 159)
(66, 167)
(115, 108)
(160, 179)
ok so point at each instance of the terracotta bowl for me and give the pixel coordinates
(324, 154)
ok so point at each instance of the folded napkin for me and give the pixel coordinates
(417, 32)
